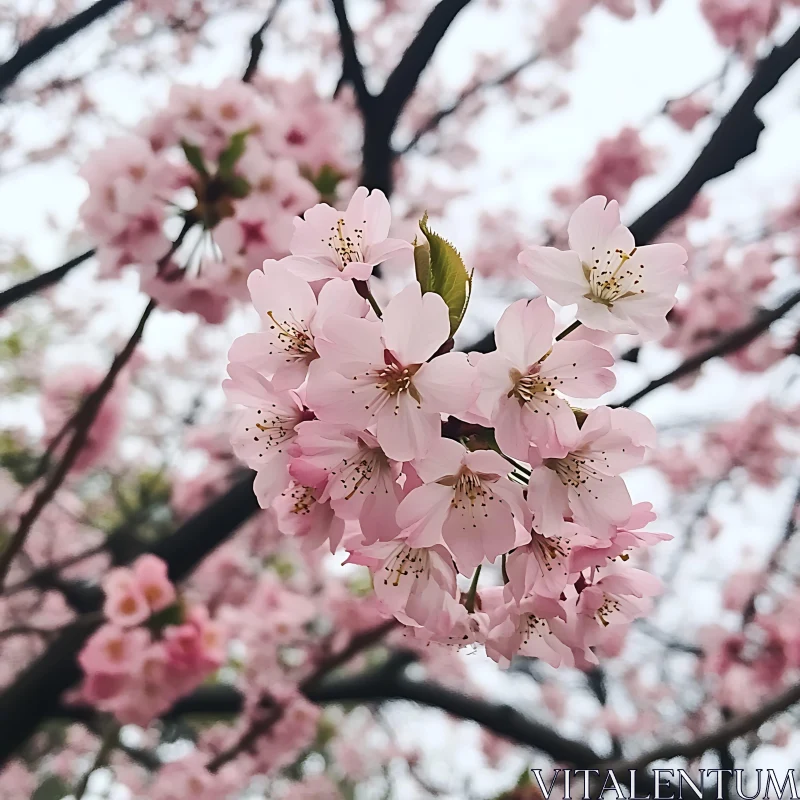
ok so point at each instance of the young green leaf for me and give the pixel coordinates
(232, 153)
(422, 264)
(195, 157)
(448, 275)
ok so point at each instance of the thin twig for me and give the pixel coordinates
(259, 728)
(734, 341)
(257, 43)
(42, 281)
(434, 121)
(722, 736)
(48, 38)
(83, 423)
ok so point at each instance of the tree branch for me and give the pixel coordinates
(445, 112)
(735, 138)
(84, 419)
(42, 281)
(258, 728)
(734, 341)
(720, 738)
(385, 110)
(352, 70)
(47, 39)
(257, 44)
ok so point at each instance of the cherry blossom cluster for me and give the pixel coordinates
(368, 431)
(152, 649)
(224, 161)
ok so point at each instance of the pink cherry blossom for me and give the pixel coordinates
(114, 650)
(292, 316)
(686, 112)
(384, 375)
(302, 513)
(466, 502)
(126, 603)
(264, 431)
(543, 565)
(328, 243)
(360, 482)
(410, 582)
(529, 628)
(619, 595)
(150, 574)
(617, 286)
(588, 551)
(519, 380)
(585, 484)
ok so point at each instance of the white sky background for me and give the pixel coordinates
(624, 71)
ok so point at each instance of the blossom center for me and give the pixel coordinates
(274, 430)
(609, 606)
(614, 277)
(525, 386)
(294, 336)
(406, 561)
(396, 379)
(346, 247)
(360, 469)
(470, 488)
(575, 471)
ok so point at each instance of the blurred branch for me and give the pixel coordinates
(260, 727)
(352, 70)
(385, 109)
(735, 138)
(35, 693)
(47, 39)
(720, 738)
(43, 281)
(83, 420)
(443, 113)
(257, 43)
(730, 343)
(789, 530)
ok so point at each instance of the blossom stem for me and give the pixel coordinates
(362, 287)
(568, 330)
(473, 588)
(503, 568)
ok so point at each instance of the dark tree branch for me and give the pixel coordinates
(352, 70)
(257, 44)
(46, 279)
(735, 138)
(404, 78)
(717, 739)
(734, 341)
(447, 111)
(385, 110)
(47, 39)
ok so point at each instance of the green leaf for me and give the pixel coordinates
(237, 186)
(422, 264)
(195, 157)
(52, 788)
(448, 275)
(232, 153)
